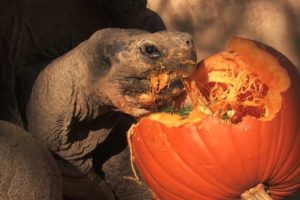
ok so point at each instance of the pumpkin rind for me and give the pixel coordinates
(211, 160)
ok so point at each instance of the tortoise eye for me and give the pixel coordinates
(151, 51)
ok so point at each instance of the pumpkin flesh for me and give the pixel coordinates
(243, 130)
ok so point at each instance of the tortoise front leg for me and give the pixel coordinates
(111, 159)
(82, 182)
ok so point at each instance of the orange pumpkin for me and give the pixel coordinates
(244, 131)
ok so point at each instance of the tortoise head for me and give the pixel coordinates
(137, 72)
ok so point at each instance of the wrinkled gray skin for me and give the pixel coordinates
(81, 103)
(27, 170)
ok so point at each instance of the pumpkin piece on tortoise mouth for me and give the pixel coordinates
(244, 131)
(163, 87)
(157, 83)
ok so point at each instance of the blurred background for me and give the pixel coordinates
(214, 22)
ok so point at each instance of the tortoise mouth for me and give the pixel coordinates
(162, 96)
(159, 87)
(156, 91)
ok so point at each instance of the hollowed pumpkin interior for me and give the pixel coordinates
(243, 81)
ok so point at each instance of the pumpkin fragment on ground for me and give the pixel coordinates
(244, 130)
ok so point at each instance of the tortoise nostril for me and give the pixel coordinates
(189, 43)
